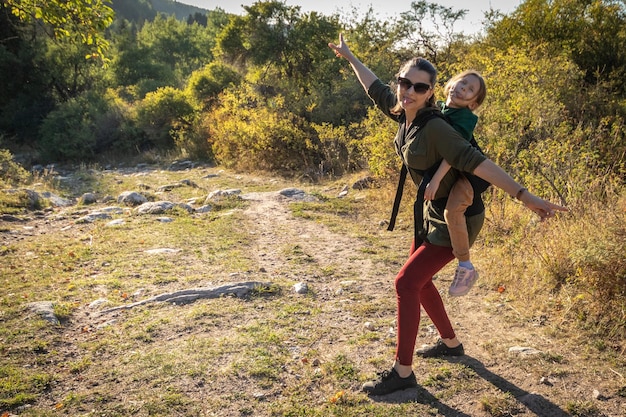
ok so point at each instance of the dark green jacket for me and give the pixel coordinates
(420, 150)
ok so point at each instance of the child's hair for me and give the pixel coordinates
(482, 90)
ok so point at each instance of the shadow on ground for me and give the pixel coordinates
(535, 403)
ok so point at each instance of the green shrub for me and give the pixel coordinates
(377, 144)
(67, 133)
(205, 84)
(252, 132)
(340, 148)
(162, 116)
(12, 174)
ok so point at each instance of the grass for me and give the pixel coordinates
(274, 353)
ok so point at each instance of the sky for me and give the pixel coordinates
(471, 24)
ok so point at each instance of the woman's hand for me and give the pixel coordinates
(341, 50)
(543, 208)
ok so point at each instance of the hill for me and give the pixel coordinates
(142, 10)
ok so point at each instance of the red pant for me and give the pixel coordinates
(414, 287)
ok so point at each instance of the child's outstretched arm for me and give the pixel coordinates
(433, 185)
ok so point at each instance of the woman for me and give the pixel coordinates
(421, 147)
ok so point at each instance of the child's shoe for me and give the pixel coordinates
(464, 280)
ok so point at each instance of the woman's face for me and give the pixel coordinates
(411, 100)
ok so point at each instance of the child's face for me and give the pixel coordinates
(463, 93)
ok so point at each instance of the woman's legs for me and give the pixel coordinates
(414, 287)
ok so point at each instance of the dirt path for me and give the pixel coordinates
(276, 227)
(532, 385)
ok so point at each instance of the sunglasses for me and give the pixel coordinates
(419, 88)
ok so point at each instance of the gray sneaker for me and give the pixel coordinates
(464, 280)
(388, 382)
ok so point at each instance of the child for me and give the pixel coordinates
(464, 93)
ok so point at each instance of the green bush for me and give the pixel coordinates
(12, 174)
(67, 132)
(340, 149)
(165, 115)
(83, 128)
(253, 132)
(377, 144)
(205, 85)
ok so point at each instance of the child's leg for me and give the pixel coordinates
(460, 198)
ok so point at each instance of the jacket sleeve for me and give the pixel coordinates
(452, 147)
(384, 98)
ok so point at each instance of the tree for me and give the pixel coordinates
(428, 28)
(592, 31)
(24, 85)
(78, 21)
(181, 47)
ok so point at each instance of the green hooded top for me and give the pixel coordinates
(463, 119)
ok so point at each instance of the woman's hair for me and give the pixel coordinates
(421, 64)
(482, 90)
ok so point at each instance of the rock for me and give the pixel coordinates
(111, 209)
(180, 165)
(116, 222)
(185, 207)
(92, 217)
(10, 218)
(155, 207)
(369, 326)
(524, 351)
(363, 183)
(545, 381)
(131, 198)
(164, 219)
(169, 187)
(87, 199)
(221, 193)
(259, 396)
(292, 192)
(97, 303)
(301, 288)
(57, 201)
(188, 183)
(106, 324)
(45, 309)
(204, 209)
(296, 194)
(597, 395)
(161, 251)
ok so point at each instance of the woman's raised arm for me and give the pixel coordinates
(365, 75)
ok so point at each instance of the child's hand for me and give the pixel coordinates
(431, 190)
